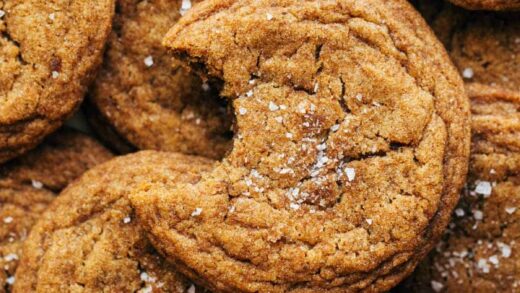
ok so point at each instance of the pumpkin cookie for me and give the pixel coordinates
(48, 52)
(29, 183)
(479, 253)
(351, 145)
(488, 4)
(151, 102)
(484, 46)
(89, 239)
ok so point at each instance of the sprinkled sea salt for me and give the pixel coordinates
(494, 259)
(437, 286)
(279, 119)
(467, 73)
(148, 61)
(37, 184)
(55, 74)
(504, 249)
(10, 280)
(478, 215)
(294, 206)
(2, 13)
(459, 212)
(351, 174)
(359, 97)
(52, 16)
(185, 6)
(11, 257)
(334, 128)
(483, 265)
(242, 111)
(191, 289)
(484, 188)
(8, 220)
(273, 106)
(269, 16)
(369, 221)
(510, 210)
(196, 212)
(127, 220)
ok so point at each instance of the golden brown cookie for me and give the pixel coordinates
(488, 4)
(352, 141)
(29, 183)
(479, 253)
(89, 240)
(484, 46)
(104, 131)
(48, 52)
(151, 102)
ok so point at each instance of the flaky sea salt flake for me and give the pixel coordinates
(196, 212)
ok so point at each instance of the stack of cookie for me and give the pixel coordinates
(259, 146)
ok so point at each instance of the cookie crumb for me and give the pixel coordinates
(196, 212)
(185, 6)
(148, 61)
(468, 73)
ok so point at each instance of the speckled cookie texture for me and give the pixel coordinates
(484, 46)
(351, 144)
(48, 51)
(148, 97)
(488, 4)
(479, 252)
(29, 183)
(88, 240)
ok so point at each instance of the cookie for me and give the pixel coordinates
(29, 183)
(48, 52)
(484, 46)
(104, 131)
(479, 253)
(151, 102)
(351, 144)
(89, 239)
(488, 4)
